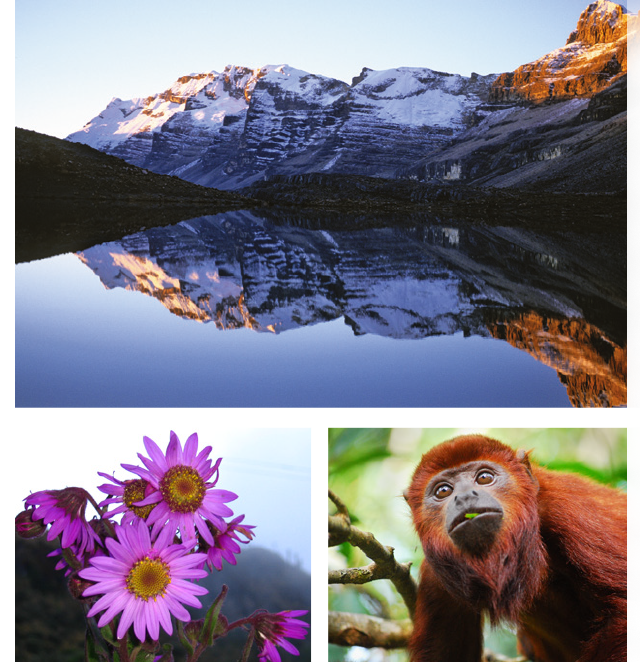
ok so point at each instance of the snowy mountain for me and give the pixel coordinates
(229, 129)
(233, 128)
(237, 270)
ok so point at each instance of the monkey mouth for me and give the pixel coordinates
(472, 514)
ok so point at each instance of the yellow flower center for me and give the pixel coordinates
(134, 492)
(183, 489)
(148, 578)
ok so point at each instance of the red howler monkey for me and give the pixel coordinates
(502, 537)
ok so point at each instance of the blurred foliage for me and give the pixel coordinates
(349, 448)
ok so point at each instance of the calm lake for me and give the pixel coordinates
(235, 310)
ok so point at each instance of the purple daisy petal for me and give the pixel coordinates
(182, 492)
(190, 449)
(174, 450)
(155, 454)
(177, 609)
(134, 468)
(164, 617)
(154, 497)
(144, 581)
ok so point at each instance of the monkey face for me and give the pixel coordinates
(467, 498)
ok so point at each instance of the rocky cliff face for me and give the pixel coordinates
(230, 129)
(594, 57)
(602, 22)
(577, 145)
(558, 124)
(171, 130)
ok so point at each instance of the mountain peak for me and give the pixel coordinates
(594, 57)
(602, 22)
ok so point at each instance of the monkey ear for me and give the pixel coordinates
(522, 456)
(405, 494)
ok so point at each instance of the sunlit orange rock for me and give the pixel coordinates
(596, 371)
(594, 57)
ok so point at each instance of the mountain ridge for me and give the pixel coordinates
(231, 129)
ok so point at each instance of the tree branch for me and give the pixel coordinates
(367, 631)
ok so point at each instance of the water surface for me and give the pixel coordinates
(235, 310)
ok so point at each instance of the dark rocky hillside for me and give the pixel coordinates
(350, 201)
(47, 167)
(70, 196)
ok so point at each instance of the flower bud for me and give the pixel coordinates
(26, 527)
(102, 528)
(193, 629)
(77, 586)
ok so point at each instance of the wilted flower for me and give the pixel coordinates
(183, 493)
(272, 630)
(145, 581)
(64, 510)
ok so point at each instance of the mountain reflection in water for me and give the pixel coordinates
(559, 296)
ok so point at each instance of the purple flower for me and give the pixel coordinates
(64, 510)
(127, 493)
(147, 582)
(183, 493)
(272, 630)
(225, 545)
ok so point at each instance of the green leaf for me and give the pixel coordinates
(211, 619)
(184, 640)
(94, 650)
(247, 647)
(144, 656)
(107, 633)
(90, 651)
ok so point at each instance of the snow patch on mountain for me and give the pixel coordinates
(416, 96)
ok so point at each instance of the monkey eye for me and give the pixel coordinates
(442, 491)
(485, 477)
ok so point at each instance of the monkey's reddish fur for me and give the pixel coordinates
(557, 569)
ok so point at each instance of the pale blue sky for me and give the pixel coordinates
(73, 56)
(268, 468)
